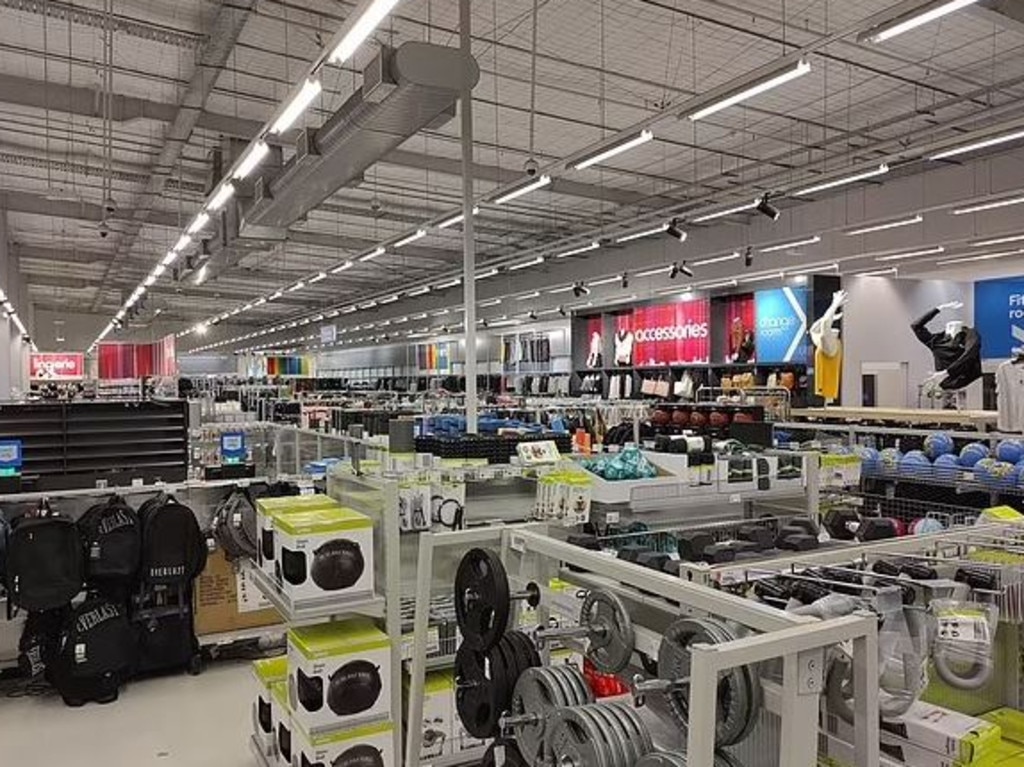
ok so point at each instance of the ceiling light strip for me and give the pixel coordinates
(912, 254)
(786, 245)
(725, 212)
(886, 225)
(925, 14)
(983, 206)
(639, 235)
(530, 185)
(615, 148)
(747, 91)
(881, 170)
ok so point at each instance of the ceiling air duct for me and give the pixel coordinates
(404, 91)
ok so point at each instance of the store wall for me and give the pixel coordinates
(876, 330)
(13, 349)
(208, 364)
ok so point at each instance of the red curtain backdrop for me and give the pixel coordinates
(121, 360)
(676, 333)
(739, 329)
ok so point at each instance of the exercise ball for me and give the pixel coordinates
(889, 461)
(946, 467)
(926, 526)
(915, 465)
(870, 461)
(1010, 450)
(938, 444)
(973, 453)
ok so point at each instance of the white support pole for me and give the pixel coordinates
(700, 743)
(798, 740)
(468, 241)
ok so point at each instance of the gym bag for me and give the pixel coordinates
(4, 531)
(96, 652)
(112, 540)
(40, 637)
(173, 547)
(234, 526)
(45, 568)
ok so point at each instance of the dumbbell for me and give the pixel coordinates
(631, 552)
(876, 529)
(718, 553)
(655, 560)
(795, 539)
(842, 524)
(759, 535)
(692, 544)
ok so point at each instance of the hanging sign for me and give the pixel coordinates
(999, 316)
(57, 366)
(666, 334)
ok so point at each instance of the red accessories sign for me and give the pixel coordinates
(57, 366)
(668, 334)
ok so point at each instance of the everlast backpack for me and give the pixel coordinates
(95, 653)
(112, 540)
(234, 526)
(39, 640)
(45, 568)
(4, 530)
(173, 547)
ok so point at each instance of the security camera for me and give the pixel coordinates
(376, 205)
(531, 167)
(103, 229)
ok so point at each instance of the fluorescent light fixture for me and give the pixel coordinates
(361, 30)
(343, 268)
(565, 289)
(982, 257)
(717, 259)
(529, 186)
(766, 83)
(257, 152)
(225, 193)
(485, 275)
(368, 305)
(978, 145)
(605, 281)
(198, 223)
(119, 315)
(912, 254)
(891, 271)
(310, 90)
(235, 311)
(150, 280)
(526, 264)
(379, 251)
(490, 302)
(881, 170)
(814, 270)
(259, 301)
(456, 219)
(528, 296)
(159, 270)
(297, 286)
(183, 242)
(617, 147)
(997, 241)
(925, 14)
(726, 212)
(204, 270)
(317, 278)
(418, 235)
(421, 291)
(439, 314)
(638, 235)
(200, 329)
(349, 309)
(576, 251)
(388, 300)
(170, 258)
(764, 277)
(652, 272)
(888, 225)
(786, 245)
(420, 316)
(989, 206)
(276, 295)
(724, 284)
(449, 284)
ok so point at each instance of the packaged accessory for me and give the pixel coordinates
(964, 638)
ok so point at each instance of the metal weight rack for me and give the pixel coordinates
(654, 599)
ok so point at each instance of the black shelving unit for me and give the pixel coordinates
(68, 445)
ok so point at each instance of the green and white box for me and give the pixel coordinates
(325, 554)
(281, 716)
(339, 675)
(438, 714)
(366, 744)
(267, 508)
(266, 672)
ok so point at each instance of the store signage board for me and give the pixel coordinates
(668, 334)
(999, 316)
(57, 366)
(328, 334)
(232, 447)
(10, 457)
(781, 325)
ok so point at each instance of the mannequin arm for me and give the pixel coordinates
(920, 326)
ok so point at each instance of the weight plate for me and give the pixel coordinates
(751, 690)
(511, 663)
(663, 759)
(565, 687)
(482, 599)
(579, 691)
(511, 755)
(614, 733)
(571, 741)
(481, 690)
(674, 663)
(527, 649)
(725, 759)
(610, 638)
(635, 723)
(537, 692)
(600, 736)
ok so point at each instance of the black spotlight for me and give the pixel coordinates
(532, 315)
(767, 209)
(748, 257)
(675, 232)
(625, 279)
(561, 310)
(678, 269)
(579, 289)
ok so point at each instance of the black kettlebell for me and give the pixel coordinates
(310, 691)
(353, 688)
(337, 564)
(362, 755)
(293, 566)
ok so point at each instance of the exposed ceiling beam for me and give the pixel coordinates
(1006, 13)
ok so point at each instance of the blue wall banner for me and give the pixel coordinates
(781, 325)
(999, 316)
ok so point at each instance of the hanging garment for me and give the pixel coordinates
(1010, 396)
(959, 355)
(623, 347)
(828, 372)
(594, 357)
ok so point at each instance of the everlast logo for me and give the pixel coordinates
(114, 522)
(167, 572)
(90, 620)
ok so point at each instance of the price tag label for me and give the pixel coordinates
(735, 498)
(612, 517)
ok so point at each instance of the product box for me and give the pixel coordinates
(1010, 721)
(323, 554)
(834, 752)
(368, 744)
(281, 719)
(438, 714)
(267, 508)
(339, 674)
(227, 599)
(267, 672)
(414, 506)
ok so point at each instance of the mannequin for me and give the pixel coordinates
(624, 347)
(956, 350)
(828, 349)
(594, 358)
(1010, 392)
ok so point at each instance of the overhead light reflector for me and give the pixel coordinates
(361, 30)
(787, 245)
(881, 170)
(618, 147)
(310, 90)
(766, 83)
(925, 14)
(887, 225)
(528, 186)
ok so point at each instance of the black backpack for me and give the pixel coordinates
(39, 640)
(234, 526)
(45, 567)
(173, 547)
(112, 540)
(95, 653)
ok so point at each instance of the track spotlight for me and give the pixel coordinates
(678, 269)
(675, 232)
(579, 289)
(532, 315)
(561, 310)
(767, 209)
(748, 257)
(625, 280)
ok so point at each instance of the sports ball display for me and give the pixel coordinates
(889, 461)
(982, 470)
(870, 461)
(1000, 475)
(660, 418)
(946, 467)
(915, 465)
(938, 444)
(680, 417)
(973, 453)
(698, 419)
(719, 420)
(926, 526)
(1010, 450)
(743, 417)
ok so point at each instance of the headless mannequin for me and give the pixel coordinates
(594, 359)
(957, 351)
(825, 337)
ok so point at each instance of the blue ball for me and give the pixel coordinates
(982, 471)
(870, 462)
(1003, 476)
(938, 444)
(915, 465)
(889, 460)
(946, 467)
(1010, 450)
(926, 526)
(973, 453)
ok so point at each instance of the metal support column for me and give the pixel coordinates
(468, 241)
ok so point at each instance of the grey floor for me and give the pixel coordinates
(176, 720)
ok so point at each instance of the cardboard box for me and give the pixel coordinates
(339, 675)
(267, 672)
(438, 713)
(226, 599)
(267, 508)
(367, 744)
(326, 553)
(281, 716)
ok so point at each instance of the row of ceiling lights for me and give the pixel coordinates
(9, 313)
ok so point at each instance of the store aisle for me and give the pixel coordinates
(176, 720)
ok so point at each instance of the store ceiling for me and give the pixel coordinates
(601, 67)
